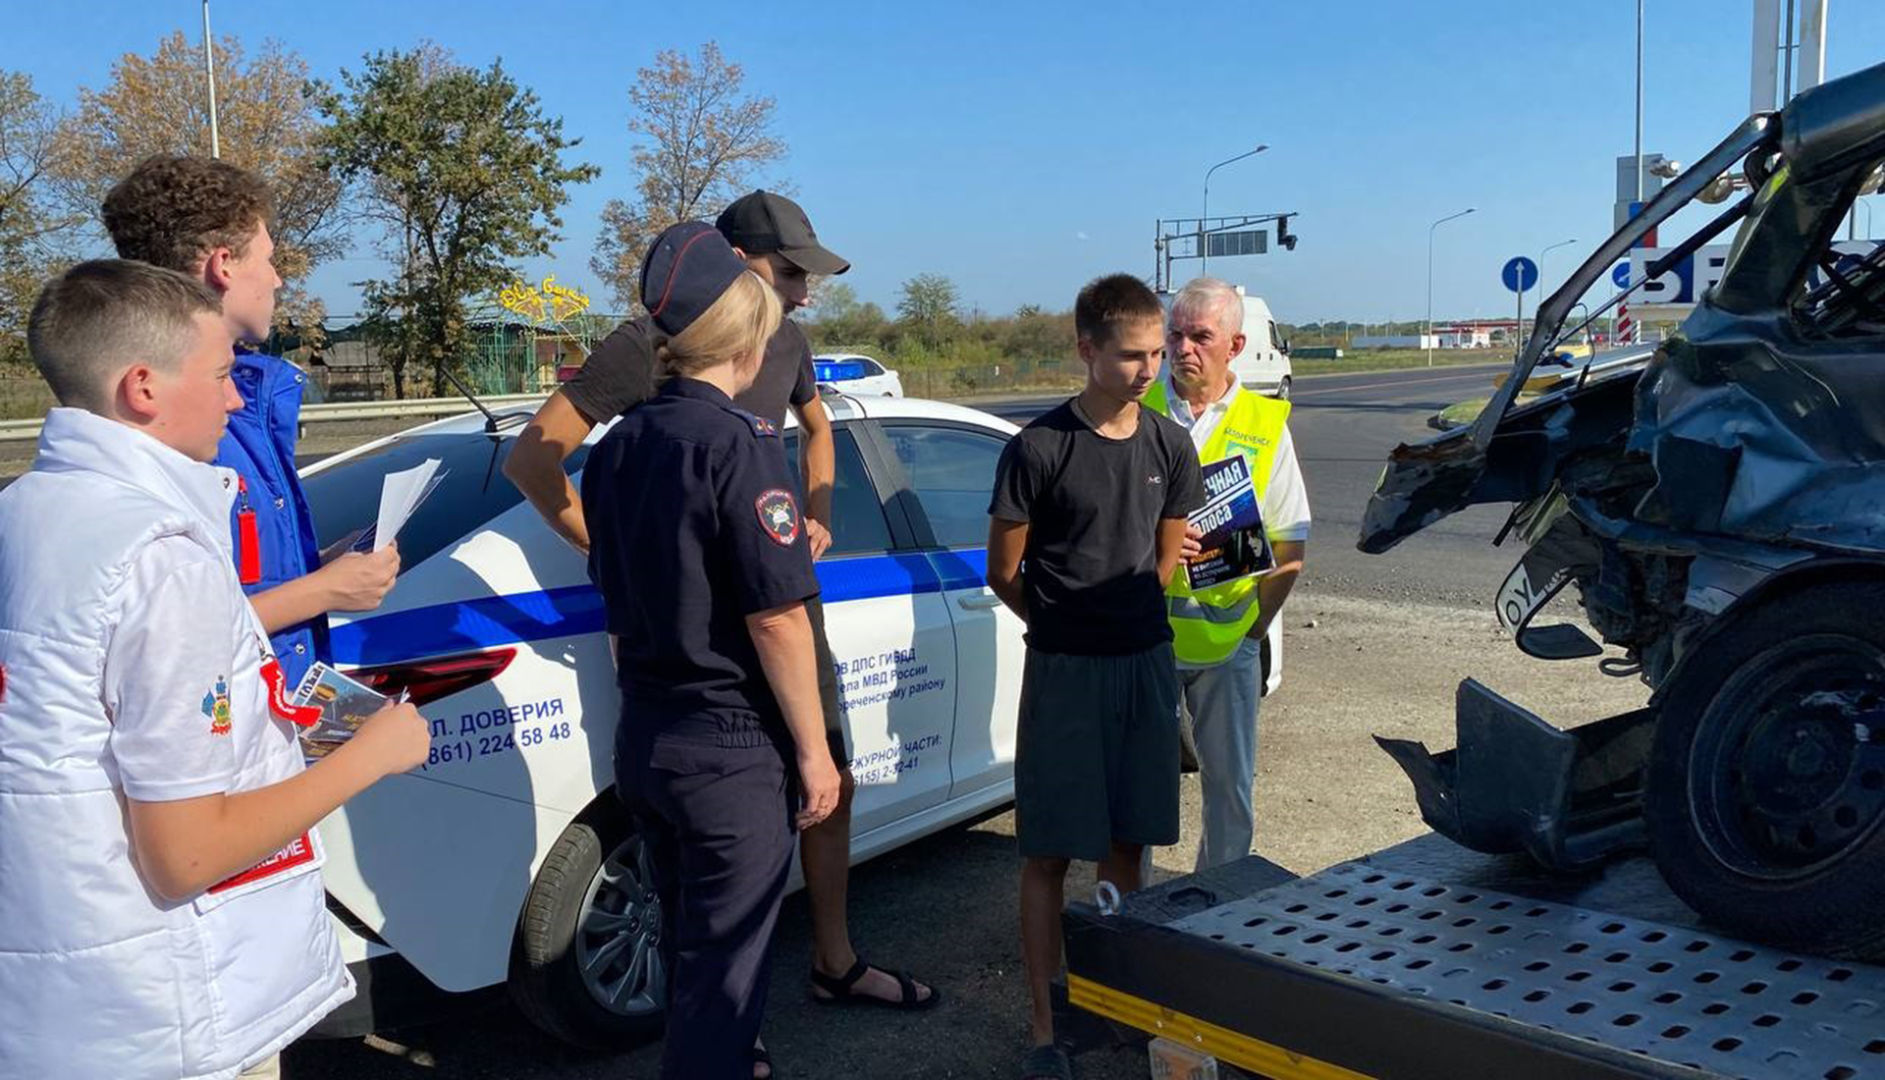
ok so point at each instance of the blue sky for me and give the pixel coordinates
(1023, 148)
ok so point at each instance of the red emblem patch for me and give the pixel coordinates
(279, 701)
(299, 852)
(3, 684)
(779, 516)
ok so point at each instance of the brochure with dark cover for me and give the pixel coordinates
(344, 703)
(1235, 545)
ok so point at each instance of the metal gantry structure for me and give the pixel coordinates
(1225, 236)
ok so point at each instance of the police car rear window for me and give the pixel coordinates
(346, 497)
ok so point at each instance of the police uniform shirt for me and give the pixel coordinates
(693, 527)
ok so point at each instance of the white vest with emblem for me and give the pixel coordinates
(98, 976)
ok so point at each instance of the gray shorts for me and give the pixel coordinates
(1096, 753)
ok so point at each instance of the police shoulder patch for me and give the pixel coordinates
(778, 515)
(762, 427)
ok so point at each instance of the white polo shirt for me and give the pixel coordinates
(1285, 500)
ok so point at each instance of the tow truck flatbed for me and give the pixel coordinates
(1426, 960)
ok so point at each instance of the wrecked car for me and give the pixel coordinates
(1718, 505)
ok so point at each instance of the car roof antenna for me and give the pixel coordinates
(493, 423)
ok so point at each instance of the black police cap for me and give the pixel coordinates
(688, 268)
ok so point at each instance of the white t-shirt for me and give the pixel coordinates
(173, 665)
(1285, 500)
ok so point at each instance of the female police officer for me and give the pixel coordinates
(698, 548)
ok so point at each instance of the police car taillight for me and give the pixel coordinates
(443, 676)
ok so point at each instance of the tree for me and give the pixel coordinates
(839, 320)
(929, 305)
(463, 172)
(31, 226)
(266, 122)
(1035, 334)
(702, 142)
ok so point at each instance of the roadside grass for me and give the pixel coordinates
(23, 397)
(1464, 412)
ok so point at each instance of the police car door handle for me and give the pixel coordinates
(980, 601)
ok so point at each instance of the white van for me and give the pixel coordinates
(1264, 363)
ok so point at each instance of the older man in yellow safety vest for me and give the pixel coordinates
(1218, 632)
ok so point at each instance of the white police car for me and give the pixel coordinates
(505, 859)
(854, 373)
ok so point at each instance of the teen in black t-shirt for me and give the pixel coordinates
(1086, 524)
(1093, 506)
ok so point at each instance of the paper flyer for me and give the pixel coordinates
(1234, 542)
(400, 494)
(344, 703)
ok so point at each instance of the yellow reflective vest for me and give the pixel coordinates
(1207, 626)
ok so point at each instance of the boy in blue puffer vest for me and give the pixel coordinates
(210, 220)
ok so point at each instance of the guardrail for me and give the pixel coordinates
(28, 430)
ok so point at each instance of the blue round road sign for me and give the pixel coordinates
(1620, 275)
(1520, 273)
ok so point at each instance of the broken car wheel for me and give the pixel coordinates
(1767, 781)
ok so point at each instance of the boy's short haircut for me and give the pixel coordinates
(101, 315)
(1110, 301)
(173, 210)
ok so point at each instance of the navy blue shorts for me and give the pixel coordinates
(1096, 753)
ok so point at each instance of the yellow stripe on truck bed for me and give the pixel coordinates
(1221, 1043)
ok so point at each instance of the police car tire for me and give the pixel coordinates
(544, 980)
(1835, 908)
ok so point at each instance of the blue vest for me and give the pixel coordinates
(260, 447)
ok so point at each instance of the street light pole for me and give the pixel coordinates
(1542, 285)
(1427, 336)
(1204, 241)
(1639, 103)
(209, 68)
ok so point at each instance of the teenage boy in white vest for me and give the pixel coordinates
(159, 865)
(1217, 633)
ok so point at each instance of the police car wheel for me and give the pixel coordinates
(588, 966)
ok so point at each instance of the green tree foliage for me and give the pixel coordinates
(701, 142)
(32, 230)
(840, 321)
(928, 306)
(463, 172)
(267, 123)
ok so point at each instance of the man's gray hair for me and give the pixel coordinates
(1210, 296)
(100, 316)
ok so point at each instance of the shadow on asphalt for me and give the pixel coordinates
(943, 907)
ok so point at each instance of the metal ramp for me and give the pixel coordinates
(1363, 971)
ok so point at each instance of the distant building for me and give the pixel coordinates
(1465, 335)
